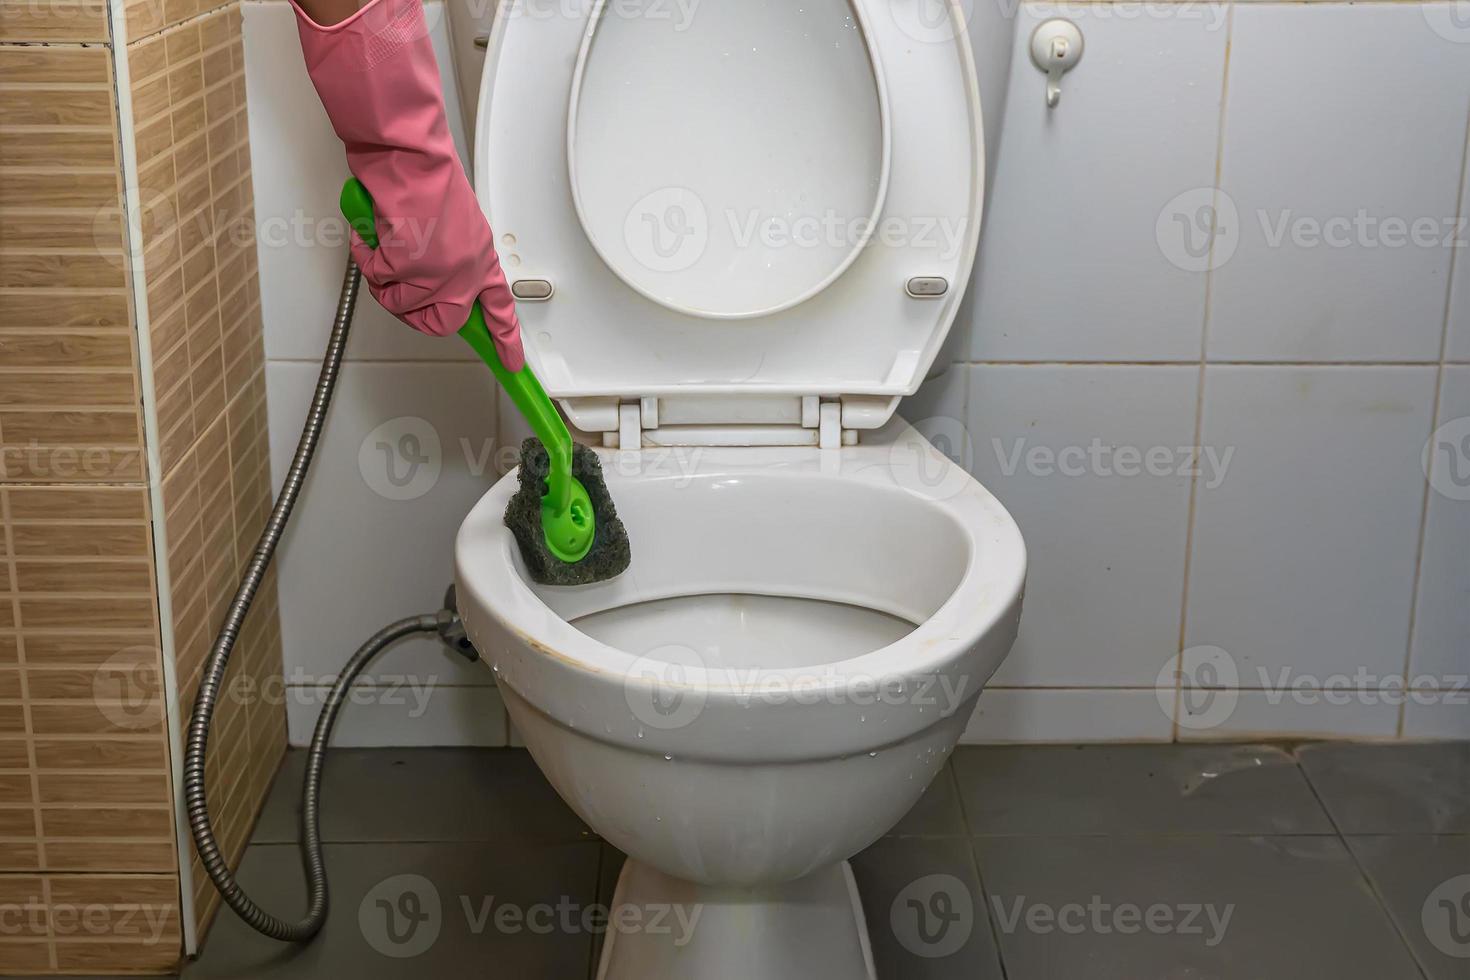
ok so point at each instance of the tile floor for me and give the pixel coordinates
(1211, 862)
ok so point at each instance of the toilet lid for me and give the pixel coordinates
(732, 198)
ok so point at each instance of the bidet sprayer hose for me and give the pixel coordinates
(212, 682)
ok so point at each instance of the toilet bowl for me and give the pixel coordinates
(795, 650)
(738, 242)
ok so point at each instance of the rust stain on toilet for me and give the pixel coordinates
(545, 650)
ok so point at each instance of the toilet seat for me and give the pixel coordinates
(651, 373)
(891, 525)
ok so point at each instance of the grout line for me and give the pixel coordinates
(1436, 405)
(177, 25)
(23, 675)
(1373, 889)
(55, 956)
(969, 841)
(1199, 403)
(594, 948)
(13, 43)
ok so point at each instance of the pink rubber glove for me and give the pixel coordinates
(379, 82)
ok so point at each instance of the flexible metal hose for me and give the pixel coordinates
(212, 683)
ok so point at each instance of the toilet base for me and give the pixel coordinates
(670, 929)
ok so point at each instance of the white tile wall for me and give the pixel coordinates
(1093, 462)
(1457, 343)
(1344, 128)
(1250, 715)
(391, 715)
(1035, 715)
(1439, 718)
(1072, 269)
(1441, 649)
(407, 450)
(1305, 555)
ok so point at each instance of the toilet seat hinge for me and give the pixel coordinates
(646, 421)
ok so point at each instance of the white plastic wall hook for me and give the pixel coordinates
(1056, 47)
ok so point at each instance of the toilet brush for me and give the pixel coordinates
(562, 515)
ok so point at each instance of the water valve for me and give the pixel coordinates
(1056, 47)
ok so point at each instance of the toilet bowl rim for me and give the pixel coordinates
(989, 589)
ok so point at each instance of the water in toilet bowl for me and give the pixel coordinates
(747, 631)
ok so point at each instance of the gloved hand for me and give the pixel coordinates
(379, 82)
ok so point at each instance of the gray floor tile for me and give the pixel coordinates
(1412, 788)
(926, 910)
(422, 795)
(937, 814)
(609, 864)
(1425, 883)
(443, 911)
(1136, 789)
(1223, 907)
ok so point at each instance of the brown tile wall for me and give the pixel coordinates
(87, 841)
(188, 91)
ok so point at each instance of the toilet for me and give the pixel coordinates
(739, 231)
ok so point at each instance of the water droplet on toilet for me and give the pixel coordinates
(872, 755)
(668, 758)
(640, 733)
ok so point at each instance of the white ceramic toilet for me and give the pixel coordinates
(740, 237)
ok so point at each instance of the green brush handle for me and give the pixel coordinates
(535, 407)
(524, 389)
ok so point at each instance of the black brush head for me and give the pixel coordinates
(610, 552)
